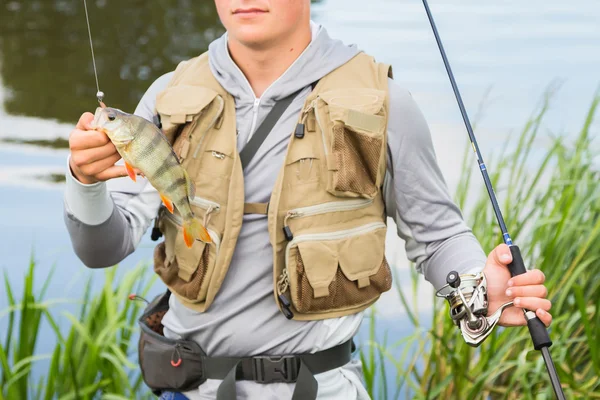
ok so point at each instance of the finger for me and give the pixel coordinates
(533, 277)
(533, 303)
(116, 171)
(501, 254)
(80, 140)
(88, 156)
(527, 291)
(84, 121)
(544, 316)
(99, 166)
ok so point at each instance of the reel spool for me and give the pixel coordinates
(467, 296)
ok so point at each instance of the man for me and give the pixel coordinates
(272, 50)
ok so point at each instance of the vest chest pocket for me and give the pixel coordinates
(337, 271)
(353, 122)
(186, 271)
(180, 108)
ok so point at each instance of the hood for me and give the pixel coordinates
(322, 56)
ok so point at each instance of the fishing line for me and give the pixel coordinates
(99, 94)
(537, 329)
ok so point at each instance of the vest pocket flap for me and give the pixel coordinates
(302, 149)
(361, 256)
(363, 100)
(182, 102)
(320, 261)
(369, 124)
(188, 258)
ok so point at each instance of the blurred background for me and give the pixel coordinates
(505, 57)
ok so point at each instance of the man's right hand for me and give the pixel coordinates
(93, 156)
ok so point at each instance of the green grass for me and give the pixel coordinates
(552, 209)
(553, 214)
(92, 360)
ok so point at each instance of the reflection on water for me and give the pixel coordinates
(46, 60)
(54, 178)
(57, 143)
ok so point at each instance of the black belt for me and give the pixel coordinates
(270, 369)
(181, 365)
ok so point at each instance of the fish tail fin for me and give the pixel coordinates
(192, 230)
(189, 186)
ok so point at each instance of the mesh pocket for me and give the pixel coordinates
(343, 293)
(169, 273)
(154, 321)
(357, 158)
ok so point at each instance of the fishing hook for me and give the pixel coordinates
(537, 329)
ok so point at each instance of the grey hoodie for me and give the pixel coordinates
(244, 319)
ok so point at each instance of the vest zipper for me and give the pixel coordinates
(206, 204)
(333, 206)
(212, 123)
(254, 117)
(283, 283)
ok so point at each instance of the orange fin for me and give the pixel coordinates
(168, 203)
(130, 171)
(188, 238)
(204, 235)
(193, 230)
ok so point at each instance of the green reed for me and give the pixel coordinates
(95, 357)
(551, 203)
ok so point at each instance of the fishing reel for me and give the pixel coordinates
(467, 296)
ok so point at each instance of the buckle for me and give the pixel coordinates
(266, 369)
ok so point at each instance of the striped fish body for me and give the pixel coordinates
(143, 146)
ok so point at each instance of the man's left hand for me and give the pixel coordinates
(526, 290)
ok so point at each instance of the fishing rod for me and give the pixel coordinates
(468, 297)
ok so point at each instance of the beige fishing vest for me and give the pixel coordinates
(327, 197)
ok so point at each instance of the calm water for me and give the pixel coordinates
(507, 53)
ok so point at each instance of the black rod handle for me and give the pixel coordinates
(517, 266)
(537, 329)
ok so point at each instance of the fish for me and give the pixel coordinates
(143, 146)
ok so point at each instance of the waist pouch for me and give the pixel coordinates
(181, 365)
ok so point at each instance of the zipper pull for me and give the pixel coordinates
(282, 286)
(286, 229)
(299, 133)
(134, 296)
(289, 236)
(176, 363)
(285, 307)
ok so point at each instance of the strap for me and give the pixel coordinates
(265, 128)
(256, 208)
(265, 369)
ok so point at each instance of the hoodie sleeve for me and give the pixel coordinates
(436, 237)
(106, 220)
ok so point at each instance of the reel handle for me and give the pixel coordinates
(537, 329)
(453, 279)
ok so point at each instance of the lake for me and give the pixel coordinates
(504, 55)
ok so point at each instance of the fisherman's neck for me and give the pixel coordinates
(264, 65)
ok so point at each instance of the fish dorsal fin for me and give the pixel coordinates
(189, 186)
